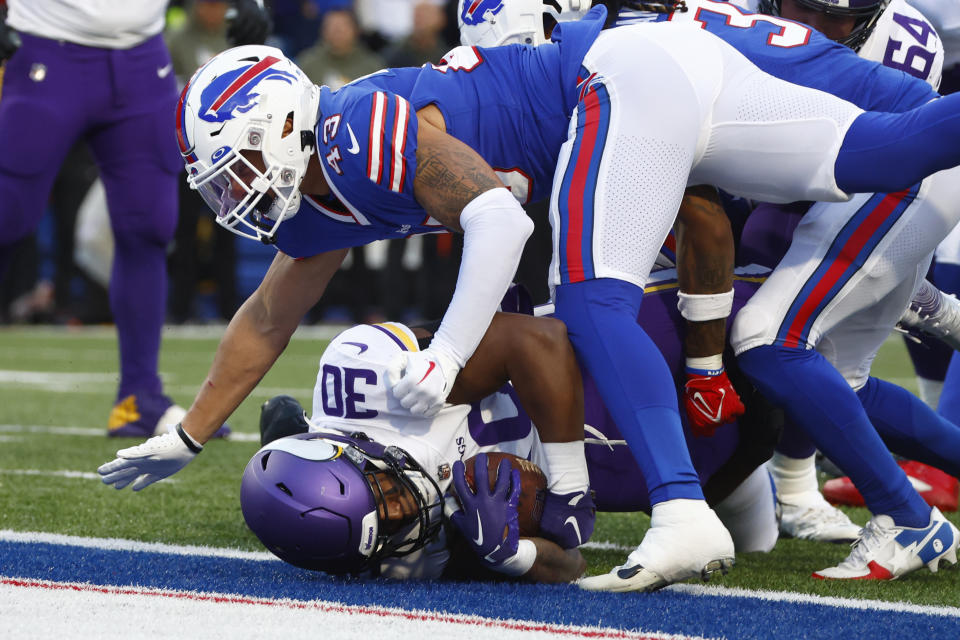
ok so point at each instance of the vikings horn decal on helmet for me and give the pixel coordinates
(867, 13)
(245, 129)
(319, 501)
(492, 23)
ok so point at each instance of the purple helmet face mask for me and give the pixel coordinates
(308, 498)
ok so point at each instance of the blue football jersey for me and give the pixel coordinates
(511, 104)
(796, 53)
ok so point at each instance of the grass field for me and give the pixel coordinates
(57, 386)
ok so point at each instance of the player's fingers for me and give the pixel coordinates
(481, 475)
(113, 465)
(515, 487)
(144, 481)
(408, 402)
(502, 487)
(395, 369)
(433, 410)
(124, 476)
(460, 480)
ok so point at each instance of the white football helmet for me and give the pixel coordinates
(492, 23)
(240, 101)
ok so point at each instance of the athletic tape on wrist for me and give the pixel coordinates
(521, 562)
(192, 444)
(705, 365)
(700, 307)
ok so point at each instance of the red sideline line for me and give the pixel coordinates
(424, 616)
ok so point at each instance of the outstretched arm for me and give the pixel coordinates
(255, 337)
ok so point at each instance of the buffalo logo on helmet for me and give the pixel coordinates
(479, 11)
(233, 92)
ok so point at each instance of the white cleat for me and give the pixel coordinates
(935, 313)
(885, 551)
(686, 540)
(808, 516)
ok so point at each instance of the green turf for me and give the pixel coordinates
(202, 506)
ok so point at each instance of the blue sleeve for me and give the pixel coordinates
(318, 228)
(367, 142)
(816, 62)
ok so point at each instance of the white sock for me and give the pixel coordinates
(929, 391)
(793, 476)
(566, 467)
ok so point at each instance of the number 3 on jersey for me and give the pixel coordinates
(788, 34)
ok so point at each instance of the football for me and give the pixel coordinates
(533, 489)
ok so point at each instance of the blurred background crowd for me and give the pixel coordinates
(61, 273)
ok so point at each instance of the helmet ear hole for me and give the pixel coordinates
(285, 489)
(287, 125)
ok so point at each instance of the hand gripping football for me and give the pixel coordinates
(533, 490)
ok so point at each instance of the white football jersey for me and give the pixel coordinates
(944, 15)
(94, 23)
(353, 394)
(904, 39)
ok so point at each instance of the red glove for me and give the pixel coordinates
(710, 400)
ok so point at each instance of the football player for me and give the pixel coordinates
(808, 60)
(100, 73)
(355, 529)
(900, 37)
(409, 150)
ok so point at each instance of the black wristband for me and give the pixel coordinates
(196, 448)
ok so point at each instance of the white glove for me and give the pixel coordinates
(421, 380)
(155, 459)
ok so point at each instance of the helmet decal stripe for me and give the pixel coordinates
(247, 76)
(398, 166)
(397, 335)
(186, 149)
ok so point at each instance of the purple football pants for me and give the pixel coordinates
(121, 103)
(614, 474)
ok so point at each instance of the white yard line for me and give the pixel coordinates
(236, 436)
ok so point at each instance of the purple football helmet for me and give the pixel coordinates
(867, 13)
(314, 500)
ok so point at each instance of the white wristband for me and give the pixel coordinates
(521, 562)
(706, 365)
(699, 307)
(565, 466)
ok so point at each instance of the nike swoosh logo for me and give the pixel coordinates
(429, 369)
(479, 539)
(358, 345)
(704, 408)
(163, 72)
(919, 485)
(354, 148)
(576, 527)
(629, 572)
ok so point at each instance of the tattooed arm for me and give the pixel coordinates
(705, 270)
(459, 189)
(449, 173)
(705, 255)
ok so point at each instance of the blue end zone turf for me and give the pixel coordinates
(665, 611)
